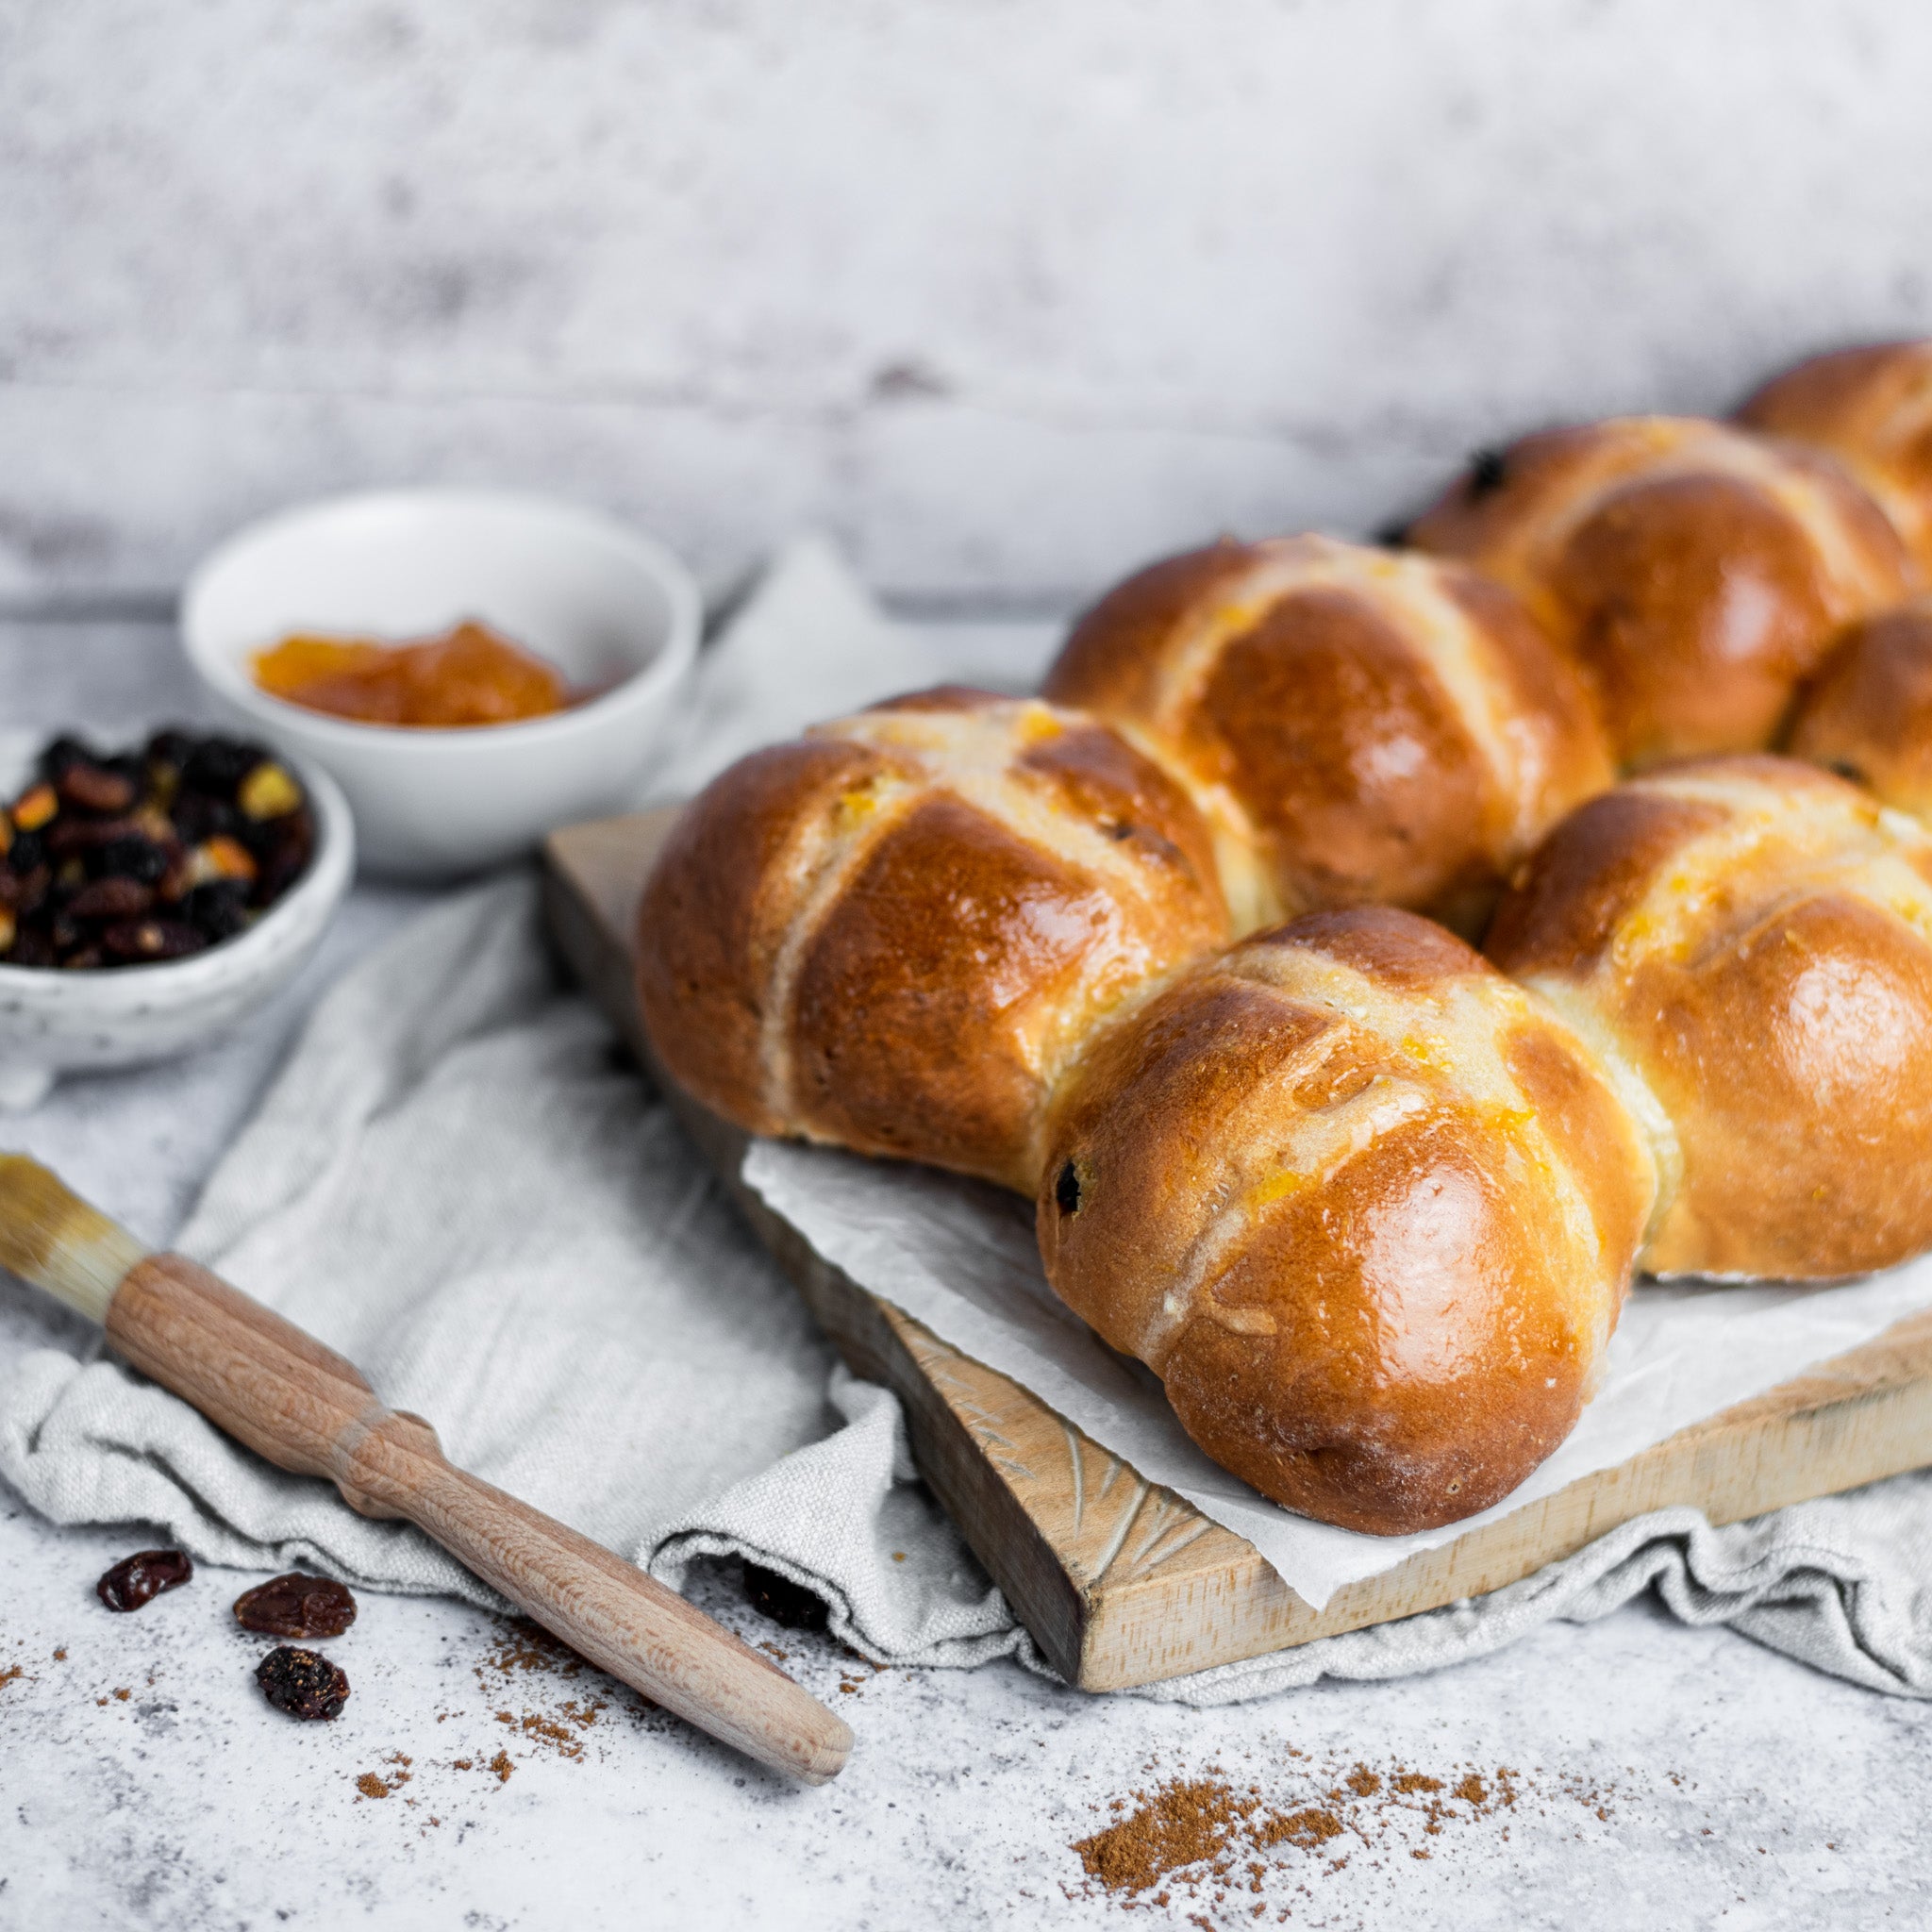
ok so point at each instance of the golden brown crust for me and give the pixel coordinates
(713, 915)
(919, 992)
(1577, 1108)
(1374, 728)
(1565, 906)
(1696, 572)
(1374, 1399)
(1750, 940)
(1093, 774)
(1872, 408)
(1867, 714)
(1308, 1184)
(1698, 606)
(1296, 718)
(1112, 659)
(892, 934)
(1405, 954)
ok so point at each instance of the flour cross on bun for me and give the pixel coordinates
(1366, 1207)
(1696, 572)
(1871, 409)
(894, 932)
(1747, 945)
(1867, 713)
(1359, 727)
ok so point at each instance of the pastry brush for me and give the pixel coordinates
(303, 1407)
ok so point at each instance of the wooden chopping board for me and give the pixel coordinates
(1122, 1582)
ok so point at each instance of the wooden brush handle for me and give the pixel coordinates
(307, 1411)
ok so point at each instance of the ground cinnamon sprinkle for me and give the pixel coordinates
(1183, 1824)
(1201, 1832)
(1309, 1828)
(373, 1785)
(525, 1649)
(10, 1673)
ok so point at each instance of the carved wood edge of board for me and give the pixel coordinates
(1123, 1582)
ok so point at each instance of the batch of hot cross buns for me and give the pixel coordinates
(1185, 948)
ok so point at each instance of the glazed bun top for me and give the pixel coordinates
(1872, 408)
(1867, 712)
(1747, 943)
(1695, 572)
(1357, 725)
(891, 933)
(1362, 1203)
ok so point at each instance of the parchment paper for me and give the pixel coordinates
(959, 1256)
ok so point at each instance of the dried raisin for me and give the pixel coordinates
(96, 788)
(219, 908)
(783, 1601)
(112, 898)
(303, 1682)
(142, 1577)
(218, 766)
(296, 1606)
(113, 859)
(132, 856)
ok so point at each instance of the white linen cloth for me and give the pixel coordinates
(458, 1182)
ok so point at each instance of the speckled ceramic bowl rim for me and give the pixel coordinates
(168, 981)
(640, 690)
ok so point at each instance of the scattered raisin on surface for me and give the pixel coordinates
(783, 1601)
(142, 1577)
(296, 1606)
(302, 1682)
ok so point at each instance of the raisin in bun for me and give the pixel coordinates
(891, 933)
(1872, 408)
(1368, 727)
(1698, 572)
(1366, 1209)
(1747, 943)
(1867, 713)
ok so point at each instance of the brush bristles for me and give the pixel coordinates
(50, 1237)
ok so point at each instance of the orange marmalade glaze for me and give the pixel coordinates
(469, 675)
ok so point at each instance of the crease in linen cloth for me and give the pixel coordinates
(458, 1182)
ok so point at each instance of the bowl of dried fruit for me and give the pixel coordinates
(476, 668)
(151, 897)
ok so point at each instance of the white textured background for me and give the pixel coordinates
(1006, 293)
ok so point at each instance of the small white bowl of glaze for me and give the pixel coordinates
(610, 607)
(54, 1022)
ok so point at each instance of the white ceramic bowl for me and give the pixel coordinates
(53, 1022)
(602, 603)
